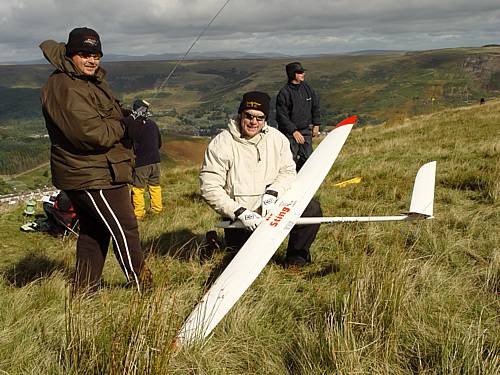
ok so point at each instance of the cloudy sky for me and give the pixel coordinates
(139, 27)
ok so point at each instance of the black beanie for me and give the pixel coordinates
(83, 39)
(293, 68)
(257, 100)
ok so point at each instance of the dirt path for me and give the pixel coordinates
(12, 176)
(31, 170)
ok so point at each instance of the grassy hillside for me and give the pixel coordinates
(398, 298)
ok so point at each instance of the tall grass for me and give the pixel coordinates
(383, 298)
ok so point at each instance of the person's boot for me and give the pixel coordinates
(146, 279)
(138, 202)
(297, 258)
(155, 194)
(212, 244)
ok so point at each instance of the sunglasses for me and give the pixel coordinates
(250, 117)
(87, 56)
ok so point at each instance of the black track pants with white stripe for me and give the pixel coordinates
(104, 215)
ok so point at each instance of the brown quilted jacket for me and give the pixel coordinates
(83, 121)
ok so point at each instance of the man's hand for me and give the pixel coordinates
(299, 138)
(268, 201)
(315, 130)
(126, 112)
(250, 219)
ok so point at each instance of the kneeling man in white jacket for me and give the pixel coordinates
(246, 167)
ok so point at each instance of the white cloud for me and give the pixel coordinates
(292, 26)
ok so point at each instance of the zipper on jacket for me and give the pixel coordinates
(258, 153)
(257, 148)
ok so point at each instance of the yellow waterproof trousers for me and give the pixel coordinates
(138, 202)
(155, 195)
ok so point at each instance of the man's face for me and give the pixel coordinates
(300, 76)
(251, 123)
(87, 63)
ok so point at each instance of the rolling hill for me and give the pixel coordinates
(202, 94)
(368, 84)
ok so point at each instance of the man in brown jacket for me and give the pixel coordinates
(90, 159)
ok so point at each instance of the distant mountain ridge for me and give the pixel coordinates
(213, 55)
(112, 57)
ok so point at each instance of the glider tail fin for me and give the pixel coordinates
(422, 199)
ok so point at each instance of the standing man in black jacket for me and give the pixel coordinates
(146, 139)
(298, 113)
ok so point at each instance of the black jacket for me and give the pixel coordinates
(146, 138)
(297, 107)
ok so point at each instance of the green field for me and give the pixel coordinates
(379, 298)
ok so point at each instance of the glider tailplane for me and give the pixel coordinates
(421, 206)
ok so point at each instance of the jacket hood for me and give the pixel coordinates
(55, 53)
(293, 68)
(234, 129)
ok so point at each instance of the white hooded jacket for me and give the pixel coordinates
(237, 171)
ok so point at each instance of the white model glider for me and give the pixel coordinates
(265, 240)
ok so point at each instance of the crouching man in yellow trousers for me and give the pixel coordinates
(146, 139)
